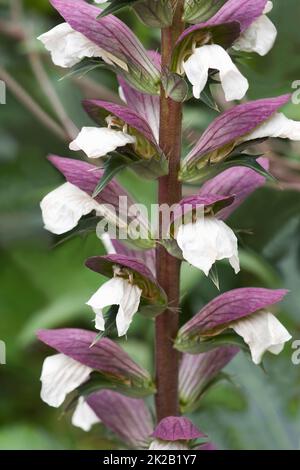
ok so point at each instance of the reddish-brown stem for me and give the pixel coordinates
(168, 268)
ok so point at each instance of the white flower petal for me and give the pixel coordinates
(60, 376)
(213, 56)
(206, 241)
(128, 307)
(268, 7)
(277, 126)
(63, 207)
(83, 416)
(259, 37)
(116, 291)
(158, 444)
(197, 73)
(262, 332)
(99, 319)
(110, 293)
(68, 46)
(98, 141)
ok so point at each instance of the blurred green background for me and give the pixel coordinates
(43, 285)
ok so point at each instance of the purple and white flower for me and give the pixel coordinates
(244, 310)
(63, 207)
(201, 236)
(76, 360)
(206, 241)
(116, 291)
(203, 47)
(209, 57)
(85, 35)
(239, 125)
(132, 287)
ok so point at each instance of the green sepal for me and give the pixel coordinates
(155, 13)
(199, 11)
(197, 344)
(115, 6)
(210, 170)
(112, 166)
(131, 387)
(175, 86)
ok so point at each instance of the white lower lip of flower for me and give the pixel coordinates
(158, 444)
(259, 37)
(277, 126)
(116, 291)
(99, 141)
(63, 208)
(60, 376)
(207, 241)
(234, 84)
(262, 332)
(83, 416)
(68, 47)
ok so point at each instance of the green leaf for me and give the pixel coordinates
(266, 424)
